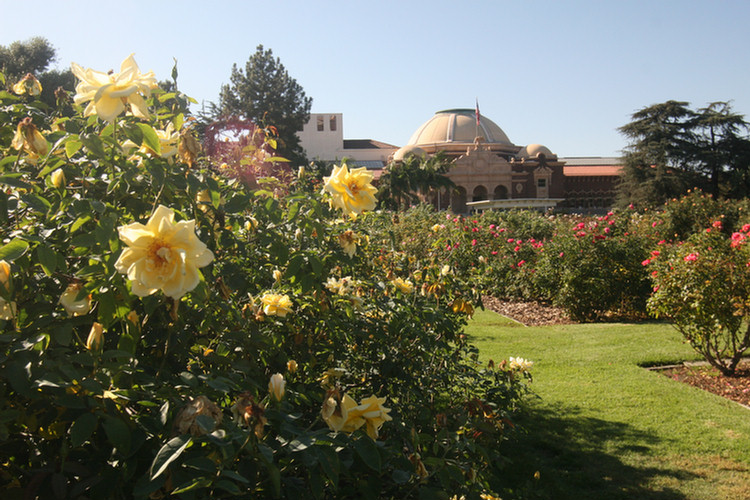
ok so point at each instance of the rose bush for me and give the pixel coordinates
(168, 329)
(702, 286)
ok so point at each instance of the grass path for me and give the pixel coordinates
(604, 427)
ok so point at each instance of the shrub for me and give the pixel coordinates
(593, 267)
(703, 286)
(167, 331)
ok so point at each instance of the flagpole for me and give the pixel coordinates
(476, 134)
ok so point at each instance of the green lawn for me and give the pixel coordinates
(604, 427)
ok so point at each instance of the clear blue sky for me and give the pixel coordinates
(561, 73)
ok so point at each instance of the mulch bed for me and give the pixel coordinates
(710, 379)
(704, 377)
(528, 313)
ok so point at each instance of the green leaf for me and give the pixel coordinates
(237, 203)
(118, 434)
(80, 221)
(150, 139)
(400, 476)
(178, 120)
(47, 258)
(300, 444)
(36, 202)
(236, 476)
(368, 452)
(82, 429)
(168, 454)
(133, 132)
(15, 181)
(229, 487)
(293, 211)
(13, 250)
(275, 475)
(206, 423)
(72, 147)
(200, 482)
(94, 144)
(329, 463)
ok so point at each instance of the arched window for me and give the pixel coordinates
(458, 200)
(501, 193)
(480, 193)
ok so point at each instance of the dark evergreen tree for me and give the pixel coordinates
(657, 160)
(721, 148)
(265, 94)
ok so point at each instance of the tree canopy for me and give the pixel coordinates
(403, 182)
(35, 56)
(674, 148)
(265, 93)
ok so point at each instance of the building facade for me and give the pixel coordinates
(489, 171)
(323, 140)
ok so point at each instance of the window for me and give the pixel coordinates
(320, 124)
(541, 183)
(332, 123)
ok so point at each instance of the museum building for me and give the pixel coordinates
(489, 171)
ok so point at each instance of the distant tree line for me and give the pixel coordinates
(674, 148)
(35, 56)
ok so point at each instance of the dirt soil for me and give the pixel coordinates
(704, 377)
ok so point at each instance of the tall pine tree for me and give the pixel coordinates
(264, 93)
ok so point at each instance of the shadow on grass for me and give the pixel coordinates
(577, 457)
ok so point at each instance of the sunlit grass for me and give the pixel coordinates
(603, 426)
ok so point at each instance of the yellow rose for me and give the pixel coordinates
(96, 337)
(338, 286)
(162, 255)
(168, 141)
(520, 364)
(110, 93)
(405, 286)
(203, 199)
(335, 412)
(277, 275)
(251, 224)
(7, 309)
(291, 366)
(275, 304)
(276, 386)
(374, 413)
(351, 191)
(58, 178)
(5, 276)
(73, 302)
(28, 85)
(167, 145)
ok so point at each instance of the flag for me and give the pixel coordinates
(477, 112)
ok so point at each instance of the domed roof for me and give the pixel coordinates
(534, 150)
(453, 126)
(402, 153)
